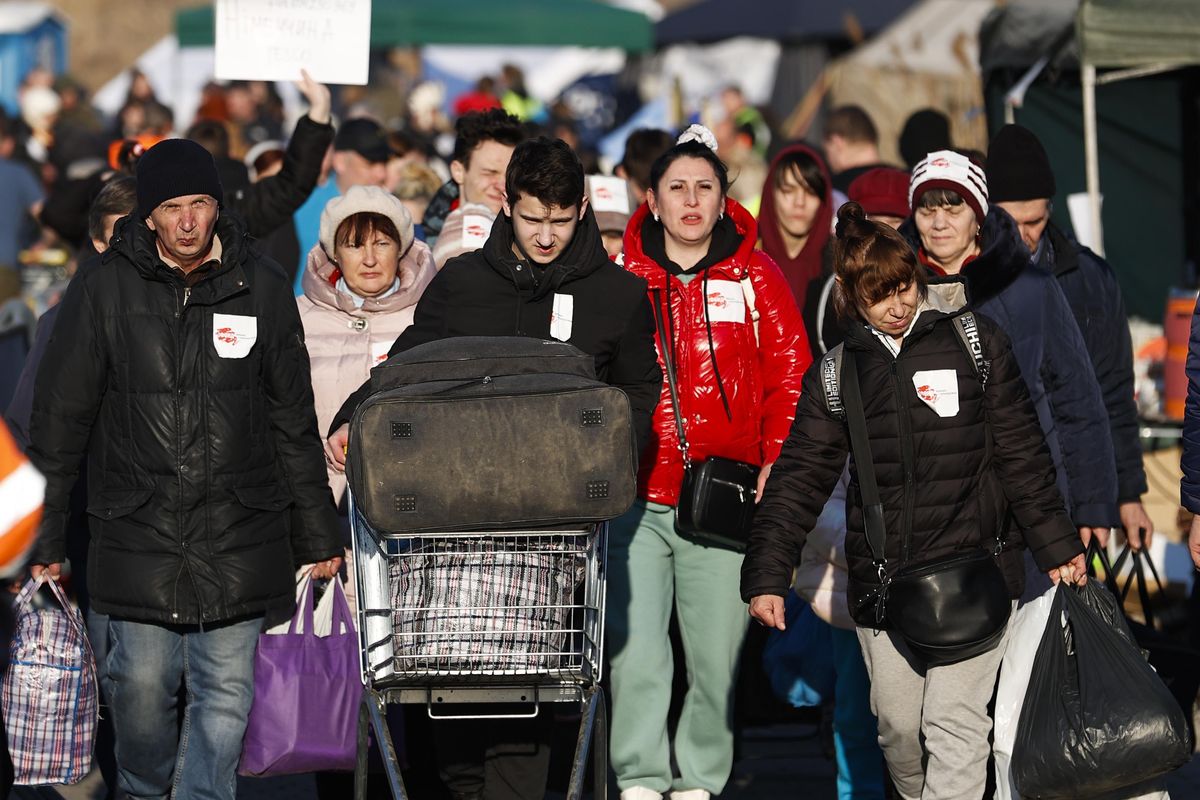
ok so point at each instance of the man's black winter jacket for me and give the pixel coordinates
(490, 292)
(207, 484)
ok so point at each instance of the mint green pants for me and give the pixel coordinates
(650, 568)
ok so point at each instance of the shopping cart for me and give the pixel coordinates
(513, 618)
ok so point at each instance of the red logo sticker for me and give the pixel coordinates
(227, 335)
(926, 393)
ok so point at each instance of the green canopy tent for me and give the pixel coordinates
(584, 23)
(1136, 38)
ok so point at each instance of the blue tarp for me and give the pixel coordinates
(782, 20)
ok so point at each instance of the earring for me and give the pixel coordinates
(721, 215)
(656, 216)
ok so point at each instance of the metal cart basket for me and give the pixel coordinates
(512, 617)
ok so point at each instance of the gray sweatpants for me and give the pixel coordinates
(933, 723)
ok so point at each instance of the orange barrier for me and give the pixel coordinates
(1177, 324)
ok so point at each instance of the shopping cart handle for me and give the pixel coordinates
(430, 704)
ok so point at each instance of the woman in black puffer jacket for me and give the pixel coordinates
(928, 410)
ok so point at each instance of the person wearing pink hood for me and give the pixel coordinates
(795, 223)
(361, 285)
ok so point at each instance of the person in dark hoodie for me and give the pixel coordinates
(544, 255)
(795, 222)
(1021, 181)
(956, 233)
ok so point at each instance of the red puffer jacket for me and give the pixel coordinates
(761, 381)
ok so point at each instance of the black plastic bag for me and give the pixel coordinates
(1096, 717)
(1175, 660)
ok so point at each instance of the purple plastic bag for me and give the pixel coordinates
(307, 690)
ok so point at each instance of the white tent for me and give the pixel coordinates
(1144, 37)
(178, 75)
(927, 58)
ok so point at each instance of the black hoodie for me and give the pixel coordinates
(492, 292)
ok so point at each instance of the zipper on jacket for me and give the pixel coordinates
(183, 545)
(906, 460)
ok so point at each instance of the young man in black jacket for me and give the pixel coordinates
(543, 273)
(178, 365)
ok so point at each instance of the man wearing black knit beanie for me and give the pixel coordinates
(178, 366)
(1021, 181)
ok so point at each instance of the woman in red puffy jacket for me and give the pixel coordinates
(739, 351)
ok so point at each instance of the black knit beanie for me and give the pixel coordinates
(175, 168)
(925, 132)
(1017, 166)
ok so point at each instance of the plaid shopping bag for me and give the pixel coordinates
(480, 604)
(51, 701)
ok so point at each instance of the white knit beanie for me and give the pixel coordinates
(365, 199)
(946, 169)
(39, 104)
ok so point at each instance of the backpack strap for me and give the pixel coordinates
(967, 328)
(831, 380)
(748, 293)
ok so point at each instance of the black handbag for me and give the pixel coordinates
(716, 497)
(947, 609)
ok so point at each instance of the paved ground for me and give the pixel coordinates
(781, 762)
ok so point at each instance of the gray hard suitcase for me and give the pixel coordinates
(490, 433)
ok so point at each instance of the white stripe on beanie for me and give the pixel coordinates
(950, 167)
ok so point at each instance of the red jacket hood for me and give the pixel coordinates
(743, 220)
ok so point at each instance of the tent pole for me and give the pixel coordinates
(1092, 155)
(1015, 96)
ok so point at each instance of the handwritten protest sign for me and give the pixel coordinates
(272, 40)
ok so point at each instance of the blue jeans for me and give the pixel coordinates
(97, 631)
(146, 667)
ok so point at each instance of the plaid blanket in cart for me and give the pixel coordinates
(482, 605)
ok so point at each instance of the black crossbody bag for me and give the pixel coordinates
(947, 609)
(716, 496)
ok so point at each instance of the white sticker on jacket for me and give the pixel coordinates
(608, 194)
(938, 389)
(726, 303)
(379, 352)
(561, 316)
(234, 334)
(475, 230)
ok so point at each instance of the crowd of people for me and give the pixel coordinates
(189, 397)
